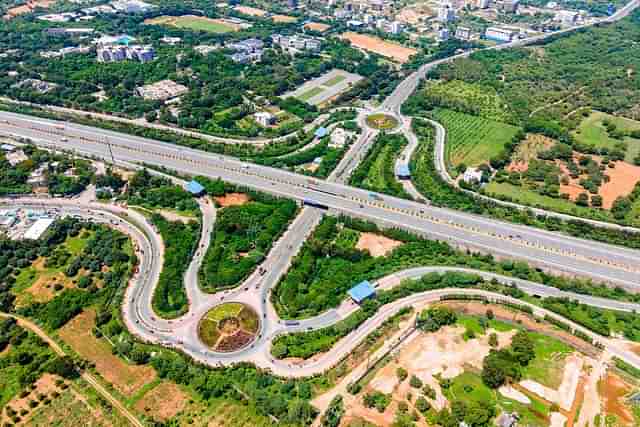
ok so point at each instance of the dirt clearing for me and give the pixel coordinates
(317, 26)
(376, 244)
(126, 378)
(373, 44)
(614, 391)
(232, 199)
(284, 19)
(163, 402)
(251, 11)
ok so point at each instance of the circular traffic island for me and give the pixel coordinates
(382, 121)
(229, 327)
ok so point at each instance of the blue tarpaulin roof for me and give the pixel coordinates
(362, 291)
(321, 132)
(403, 170)
(194, 187)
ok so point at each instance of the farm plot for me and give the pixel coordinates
(325, 87)
(473, 140)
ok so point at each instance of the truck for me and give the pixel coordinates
(375, 196)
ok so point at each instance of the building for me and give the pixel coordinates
(37, 85)
(171, 40)
(38, 228)
(446, 14)
(463, 33)
(362, 291)
(264, 118)
(162, 90)
(249, 50)
(111, 53)
(403, 172)
(321, 132)
(354, 23)
(499, 34)
(131, 6)
(195, 188)
(484, 4)
(68, 32)
(508, 6)
(443, 34)
(396, 27)
(472, 176)
(116, 53)
(122, 39)
(340, 137)
(141, 53)
(567, 18)
(296, 42)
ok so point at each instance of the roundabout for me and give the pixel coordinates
(381, 121)
(229, 327)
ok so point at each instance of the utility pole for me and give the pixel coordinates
(113, 159)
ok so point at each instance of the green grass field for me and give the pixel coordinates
(305, 96)
(224, 311)
(548, 365)
(382, 121)
(334, 81)
(591, 131)
(196, 23)
(473, 140)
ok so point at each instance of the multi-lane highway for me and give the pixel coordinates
(599, 261)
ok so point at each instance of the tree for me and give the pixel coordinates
(333, 414)
(422, 404)
(401, 373)
(433, 319)
(523, 348)
(493, 340)
(62, 366)
(415, 382)
(490, 314)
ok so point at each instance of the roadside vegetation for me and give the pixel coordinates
(377, 171)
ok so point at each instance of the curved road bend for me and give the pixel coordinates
(599, 261)
(139, 316)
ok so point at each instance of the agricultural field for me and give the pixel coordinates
(324, 88)
(387, 49)
(472, 140)
(229, 327)
(196, 23)
(377, 171)
(592, 132)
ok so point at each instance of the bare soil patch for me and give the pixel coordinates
(623, 179)
(251, 11)
(379, 46)
(528, 150)
(232, 199)
(376, 244)
(284, 19)
(170, 215)
(317, 26)
(163, 402)
(124, 377)
(613, 391)
(45, 385)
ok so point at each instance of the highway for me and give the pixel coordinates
(181, 333)
(556, 252)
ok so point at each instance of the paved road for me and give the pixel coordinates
(182, 333)
(599, 261)
(27, 324)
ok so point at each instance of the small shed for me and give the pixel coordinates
(362, 291)
(403, 172)
(195, 188)
(321, 132)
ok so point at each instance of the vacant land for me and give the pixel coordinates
(125, 378)
(70, 410)
(592, 132)
(376, 244)
(197, 23)
(165, 401)
(251, 11)
(232, 199)
(317, 26)
(284, 19)
(373, 44)
(473, 140)
(324, 88)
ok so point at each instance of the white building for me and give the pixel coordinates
(443, 34)
(38, 228)
(339, 138)
(296, 42)
(264, 118)
(484, 4)
(472, 175)
(396, 27)
(567, 18)
(463, 33)
(499, 34)
(446, 14)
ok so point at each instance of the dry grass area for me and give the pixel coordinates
(125, 378)
(373, 44)
(251, 11)
(43, 288)
(376, 244)
(170, 215)
(284, 19)
(163, 402)
(528, 150)
(232, 199)
(45, 385)
(317, 26)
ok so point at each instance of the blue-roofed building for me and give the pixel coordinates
(195, 188)
(403, 172)
(362, 291)
(321, 132)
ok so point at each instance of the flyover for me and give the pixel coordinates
(598, 261)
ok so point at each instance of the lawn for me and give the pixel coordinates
(382, 121)
(473, 140)
(310, 93)
(334, 81)
(548, 365)
(592, 131)
(196, 23)
(224, 311)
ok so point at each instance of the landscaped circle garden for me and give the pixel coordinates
(229, 327)
(382, 121)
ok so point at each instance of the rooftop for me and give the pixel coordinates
(362, 291)
(194, 187)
